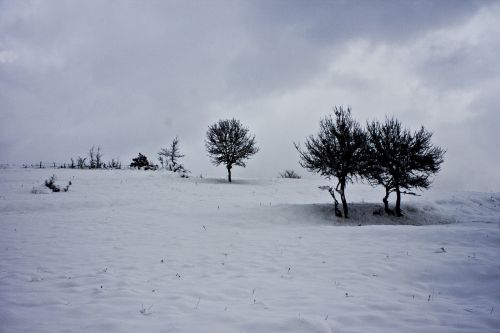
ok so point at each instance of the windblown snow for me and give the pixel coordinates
(136, 251)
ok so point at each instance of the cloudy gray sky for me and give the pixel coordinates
(130, 75)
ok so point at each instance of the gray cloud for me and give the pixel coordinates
(129, 76)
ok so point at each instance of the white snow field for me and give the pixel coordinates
(136, 251)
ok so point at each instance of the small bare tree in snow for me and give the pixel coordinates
(114, 164)
(80, 162)
(92, 158)
(95, 158)
(228, 142)
(169, 157)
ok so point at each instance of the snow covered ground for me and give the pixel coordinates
(135, 251)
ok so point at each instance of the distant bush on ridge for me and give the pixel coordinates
(141, 162)
(290, 174)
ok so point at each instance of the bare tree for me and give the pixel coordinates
(98, 159)
(95, 158)
(114, 164)
(169, 157)
(336, 151)
(92, 157)
(80, 162)
(400, 160)
(229, 143)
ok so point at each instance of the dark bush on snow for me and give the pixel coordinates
(141, 161)
(290, 174)
(51, 183)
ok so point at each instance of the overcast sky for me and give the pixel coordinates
(130, 75)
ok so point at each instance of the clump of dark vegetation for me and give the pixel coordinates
(80, 162)
(184, 174)
(290, 174)
(95, 158)
(384, 154)
(51, 184)
(141, 162)
(114, 164)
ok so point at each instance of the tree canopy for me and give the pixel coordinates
(229, 142)
(336, 151)
(400, 160)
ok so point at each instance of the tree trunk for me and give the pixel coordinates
(338, 213)
(344, 206)
(398, 202)
(229, 173)
(344, 201)
(388, 211)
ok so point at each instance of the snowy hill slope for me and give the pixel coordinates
(128, 251)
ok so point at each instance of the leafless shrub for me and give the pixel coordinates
(290, 174)
(51, 184)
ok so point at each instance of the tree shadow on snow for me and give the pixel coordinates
(359, 214)
(223, 181)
